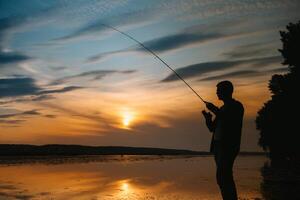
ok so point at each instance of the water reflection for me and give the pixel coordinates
(127, 177)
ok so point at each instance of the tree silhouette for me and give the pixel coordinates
(278, 120)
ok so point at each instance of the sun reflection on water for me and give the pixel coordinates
(127, 191)
(142, 178)
(125, 187)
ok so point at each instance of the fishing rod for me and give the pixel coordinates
(152, 52)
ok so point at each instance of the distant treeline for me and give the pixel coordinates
(68, 150)
(57, 149)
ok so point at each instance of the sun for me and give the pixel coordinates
(127, 118)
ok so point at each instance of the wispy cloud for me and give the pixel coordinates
(7, 24)
(18, 86)
(158, 11)
(11, 24)
(241, 74)
(89, 29)
(237, 8)
(139, 17)
(106, 55)
(179, 40)
(192, 36)
(250, 50)
(25, 113)
(266, 61)
(200, 69)
(61, 90)
(11, 121)
(12, 57)
(244, 74)
(123, 20)
(21, 86)
(77, 113)
(50, 116)
(162, 44)
(91, 75)
(25, 98)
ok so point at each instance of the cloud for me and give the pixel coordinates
(200, 69)
(163, 44)
(21, 86)
(266, 61)
(249, 50)
(50, 116)
(18, 86)
(58, 68)
(279, 70)
(31, 112)
(37, 98)
(54, 13)
(11, 121)
(225, 9)
(25, 113)
(191, 35)
(62, 90)
(105, 55)
(102, 25)
(197, 34)
(92, 75)
(77, 113)
(96, 74)
(88, 29)
(244, 73)
(141, 16)
(177, 41)
(12, 57)
(134, 14)
(31, 98)
(8, 23)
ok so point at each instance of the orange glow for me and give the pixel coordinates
(132, 110)
(112, 181)
(127, 116)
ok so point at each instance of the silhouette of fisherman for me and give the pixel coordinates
(225, 145)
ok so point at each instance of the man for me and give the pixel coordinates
(226, 139)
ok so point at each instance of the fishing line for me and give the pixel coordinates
(152, 52)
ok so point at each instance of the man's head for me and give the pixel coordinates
(224, 90)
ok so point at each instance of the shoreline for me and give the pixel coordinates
(63, 159)
(17, 150)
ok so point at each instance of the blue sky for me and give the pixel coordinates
(61, 68)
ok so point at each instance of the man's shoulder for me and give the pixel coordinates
(238, 104)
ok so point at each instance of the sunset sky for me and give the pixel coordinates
(65, 78)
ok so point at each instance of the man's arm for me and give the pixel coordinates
(212, 107)
(210, 123)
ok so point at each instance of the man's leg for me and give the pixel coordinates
(225, 177)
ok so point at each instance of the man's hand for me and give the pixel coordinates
(207, 115)
(211, 107)
(208, 120)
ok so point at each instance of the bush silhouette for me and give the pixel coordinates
(278, 119)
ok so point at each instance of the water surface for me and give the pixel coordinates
(125, 177)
